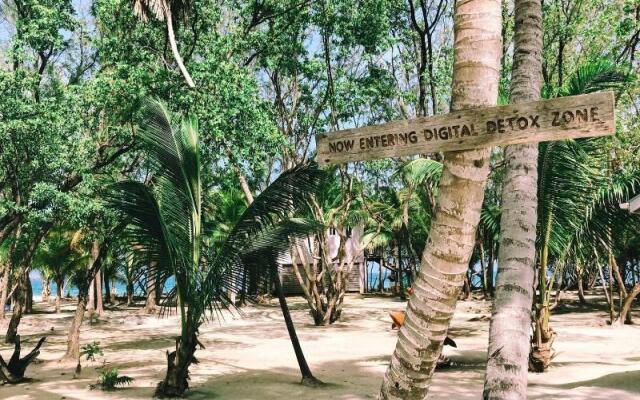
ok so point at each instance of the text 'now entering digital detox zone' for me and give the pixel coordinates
(557, 119)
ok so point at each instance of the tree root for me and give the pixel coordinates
(13, 372)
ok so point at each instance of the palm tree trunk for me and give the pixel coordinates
(580, 283)
(477, 53)
(510, 327)
(58, 294)
(46, 289)
(176, 381)
(130, 294)
(604, 283)
(305, 371)
(150, 305)
(98, 293)
(174, 45)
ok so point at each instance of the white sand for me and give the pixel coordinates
(251, 357)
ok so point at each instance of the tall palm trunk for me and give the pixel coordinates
(307, 376)
(477, 53)
(174, 46)
(580, 283)
(510, 329)
(46, 289)
(58, 294)
(150, 305)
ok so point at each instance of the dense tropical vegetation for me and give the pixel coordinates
(167, 146)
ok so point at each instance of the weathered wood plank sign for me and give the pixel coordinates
(539, 121)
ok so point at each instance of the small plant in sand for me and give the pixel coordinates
(91, 350)
(110, 380)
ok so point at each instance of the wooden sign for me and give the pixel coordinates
(539, 121)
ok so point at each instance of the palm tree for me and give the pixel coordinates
(165, 10)
(572, 174)
(165, 222)
(58, 258)
(452, 236)
(507, 356)
(388, 223)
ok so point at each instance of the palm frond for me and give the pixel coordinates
(262, 222)
(596, 76)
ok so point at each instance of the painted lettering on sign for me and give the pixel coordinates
(563, 118)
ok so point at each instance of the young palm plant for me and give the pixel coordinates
(572, 174)
(58, 258)
(165, 222)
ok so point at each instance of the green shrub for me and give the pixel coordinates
(109, 380)
(91, 350)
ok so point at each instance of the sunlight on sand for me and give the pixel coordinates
(251, 357)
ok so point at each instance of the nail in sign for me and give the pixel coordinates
(557, 119)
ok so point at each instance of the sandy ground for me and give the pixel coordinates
(251, 357)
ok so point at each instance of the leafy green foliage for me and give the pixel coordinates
(91, 350)
(109, 380)
(165, 216)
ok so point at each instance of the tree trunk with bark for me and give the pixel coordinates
(73, 339)
(19, 304)
(307, 376)
(323, 280)
(510, 327)
(58, 294)
(4, 289)
(176, 381)
(98, 294)
(580, 284)
(13, 372)
(150, 305)
(28, 304)
(91, 297)
(46, 289)
(107, 288)
(476, 67)
(623, 316)
(130, 301)
(174, 45)
(21, 295)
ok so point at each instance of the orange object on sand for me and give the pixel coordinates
(397, 317)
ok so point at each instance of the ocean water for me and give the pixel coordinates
(70, 290)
